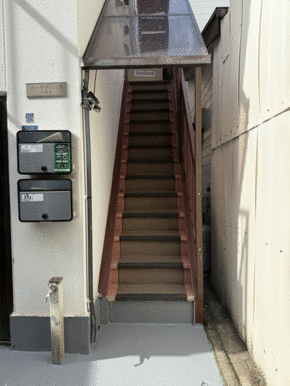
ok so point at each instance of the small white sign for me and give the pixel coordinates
(32, 148)
(31, 197)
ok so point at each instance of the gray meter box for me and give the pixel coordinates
(44, 152)
(45, 200)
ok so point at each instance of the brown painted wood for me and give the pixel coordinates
(198, 189)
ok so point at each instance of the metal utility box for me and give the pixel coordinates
(45, 200)
(42, 152)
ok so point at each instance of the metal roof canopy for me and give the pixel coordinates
(145, 33)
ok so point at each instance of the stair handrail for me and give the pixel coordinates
(186, 145)
(111, 218)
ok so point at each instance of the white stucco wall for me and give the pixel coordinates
(2, 50)
(108, 88)
(42, 46)
(104, 131)
(88, 13)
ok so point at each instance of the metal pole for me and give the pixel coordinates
(55, 296)
(89, 206)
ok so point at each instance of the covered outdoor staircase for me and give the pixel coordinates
(151, 275)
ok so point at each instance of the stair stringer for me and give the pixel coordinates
(116, 250)
(187, 267)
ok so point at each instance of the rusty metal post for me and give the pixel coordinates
(198, 192)
(55, 295)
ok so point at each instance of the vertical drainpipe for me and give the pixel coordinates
(86, 107)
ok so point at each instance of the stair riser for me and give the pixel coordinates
(147, 312)
(158, 248)
(162, 140)
(149, 87)
(147, 224)
(149, 105)
(150, 276)
(149, 116)
(150, 154)
(150, 127)
(139, 203)
(149, 168)
(147, 185)
(150, 96)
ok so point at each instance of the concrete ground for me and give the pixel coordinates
(125, 355)
(143, 355)
(234, 361)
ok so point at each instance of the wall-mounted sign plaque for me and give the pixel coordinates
(46, 90)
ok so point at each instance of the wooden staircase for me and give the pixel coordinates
(150, 253)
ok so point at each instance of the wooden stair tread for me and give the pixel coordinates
(150, 236)
(150, 233)
(150, 133)
(149, 176)
(151, 212)
(149, 146)
(152, 193)
(150, 259)
(150, 161)
(150, 262)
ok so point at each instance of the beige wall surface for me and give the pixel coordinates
(108, 87)
(250, 179)
(2, 50)
(46, 46)
(42, 47)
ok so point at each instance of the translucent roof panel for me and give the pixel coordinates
(138, 33)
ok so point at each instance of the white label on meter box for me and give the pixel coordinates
(31, 197)
(38, 148)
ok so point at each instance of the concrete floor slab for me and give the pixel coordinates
(125, 355)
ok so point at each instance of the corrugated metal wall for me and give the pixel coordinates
(250, 181)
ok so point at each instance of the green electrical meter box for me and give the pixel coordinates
(44, 152)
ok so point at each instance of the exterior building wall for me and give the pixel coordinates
(42, 46)
(104, 132)
(249, 173)
(2, 50)
(107, 86)
(43, 43)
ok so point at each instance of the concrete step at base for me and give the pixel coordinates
(150, 127)
(164, 309)
(150, 153)
(150, 96)
(146, 224)
(149, 116)
(158, 248)
(148, 140)
(145, 105)
(150, 184)
(136, 203)
(150, 276)
(150, 168)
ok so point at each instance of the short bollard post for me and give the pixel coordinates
(55, 295)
